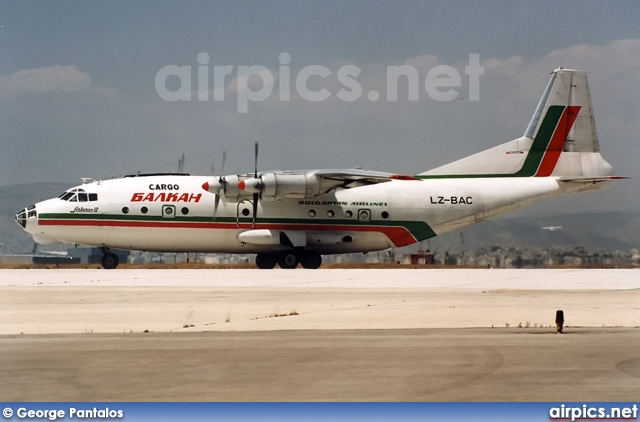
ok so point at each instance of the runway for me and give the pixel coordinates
(397, 335)
(125, 301)
(326, 365)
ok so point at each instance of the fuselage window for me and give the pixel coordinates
(93, 197)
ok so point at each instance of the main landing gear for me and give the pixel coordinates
(289, 260)
(109, 260)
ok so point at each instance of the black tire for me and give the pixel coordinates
(288, 260)
(110, 261)
(266, 261)
(311, 260)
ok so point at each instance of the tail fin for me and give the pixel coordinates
(560, 140)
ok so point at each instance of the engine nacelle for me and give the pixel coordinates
(270, 186)
(277, 186)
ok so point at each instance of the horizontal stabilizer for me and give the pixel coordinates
(591, 179)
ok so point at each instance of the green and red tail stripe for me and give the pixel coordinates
(555, 147)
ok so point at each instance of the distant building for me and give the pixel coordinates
(423, 258)
(37, 259)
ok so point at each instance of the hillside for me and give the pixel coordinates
(594, 231)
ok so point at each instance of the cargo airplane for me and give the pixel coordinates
(289, 218)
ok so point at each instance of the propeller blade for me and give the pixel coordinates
(224, 158)
(255, 167)
(181, 163)
(221, 188)
(215, 207)
(255, 208)
(256, 195)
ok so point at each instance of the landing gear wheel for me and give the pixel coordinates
(109, 261)
(311, 260)
(288, 260)
(266, 261)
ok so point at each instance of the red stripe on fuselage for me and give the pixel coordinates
(400, 236)
(556, 145)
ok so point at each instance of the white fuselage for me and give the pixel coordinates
(172, 213)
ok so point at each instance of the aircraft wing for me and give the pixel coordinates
(279, 184)
(352, 178)
(348, 178)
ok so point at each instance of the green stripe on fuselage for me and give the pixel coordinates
(418, 229)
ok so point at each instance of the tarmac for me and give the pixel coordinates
(319, 335)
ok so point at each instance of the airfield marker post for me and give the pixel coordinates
(559, 320)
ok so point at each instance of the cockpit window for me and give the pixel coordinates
(78, 195)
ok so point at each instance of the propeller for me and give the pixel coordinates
(255, 164)
(251, 185)
(223, 184)
(218, 187)
(256, 195)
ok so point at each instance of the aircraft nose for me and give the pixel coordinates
(23, 215)
(21, 218)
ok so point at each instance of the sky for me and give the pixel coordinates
(80, 97)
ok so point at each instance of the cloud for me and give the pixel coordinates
(433, 132)
(45, 79)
